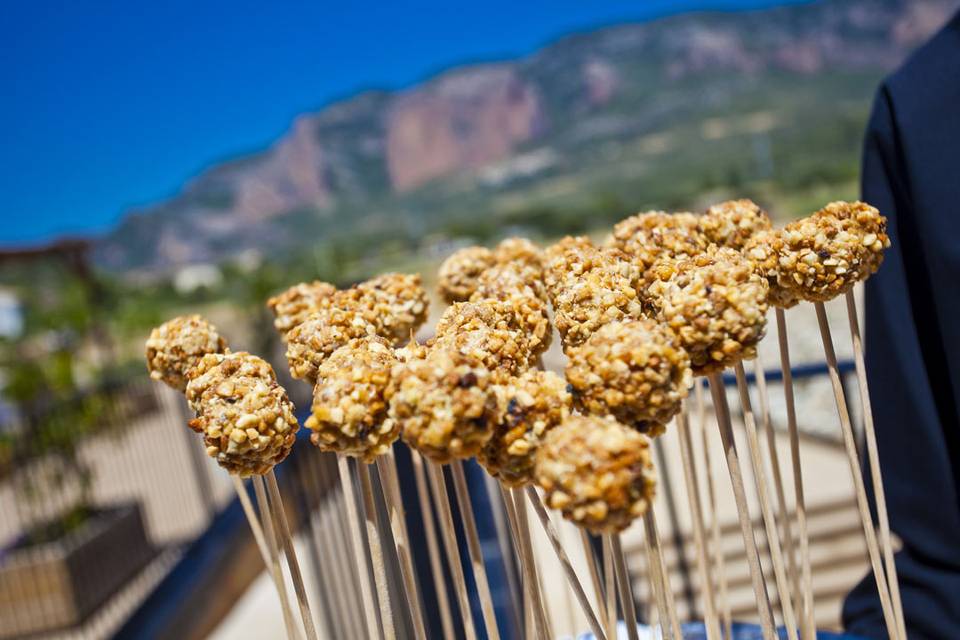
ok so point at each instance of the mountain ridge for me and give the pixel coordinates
(380, 154)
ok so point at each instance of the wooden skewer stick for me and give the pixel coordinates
(356, 535)
(766, 506)
(658, 614)
(330, 533)
(535, 618)
(522, 509)
(594, 575)
(248, 511)
(433, 550)
(528, 623)
(873, 456)
(610, 587)
(566, 605)
(850, 444)
(808, 625)
(375, 543)
(716, 550)
(333, 575)
(740, 497)
(572, 578)
(508, 552)
(711, 622)
(387, 467)
(659, 569)
(286, 538)
(261, 541)
(344, 597)
(783, 512)
(528, 565)
(537, 601)
(523, 526)
(524, 604)
(449, 536)
(271, 541)
(473, 548)
(344, 543)
(624, 588)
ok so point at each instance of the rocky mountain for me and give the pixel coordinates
(601, 109)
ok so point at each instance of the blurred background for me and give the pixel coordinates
(167, 158)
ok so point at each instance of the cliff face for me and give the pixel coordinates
(465, 119)
(292, 173)
(583, 89)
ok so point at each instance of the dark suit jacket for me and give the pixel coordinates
(911, 172)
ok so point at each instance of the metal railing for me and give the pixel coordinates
(89, 525)
(170, 513)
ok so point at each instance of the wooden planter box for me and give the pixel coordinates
(57, 585)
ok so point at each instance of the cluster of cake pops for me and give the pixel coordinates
(664, 298)
(346, 344)
(244, 415)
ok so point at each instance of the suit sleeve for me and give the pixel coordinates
(918, 473)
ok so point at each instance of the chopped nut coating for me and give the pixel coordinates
(634, 370)
(557, 258)
(244, 415)
(734, 222)
(526, 302)
(532, 405)
(445, 405)
(764, 250)
(316, 338)
(394, 303)
(517, 250)
(411, 351)
(488, 333)
(297, 303)
(177, 346)
(716, 304)
(349, 413)
(392, 306)
(524, 258)
(648, 237)
(590, 287)
(827, 253)
(597, 472)
(457, 277)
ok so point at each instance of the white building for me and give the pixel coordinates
(11, 315)
(197, 276)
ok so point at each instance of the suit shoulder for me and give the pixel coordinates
(932, 72)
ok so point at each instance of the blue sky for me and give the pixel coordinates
(111, 105)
